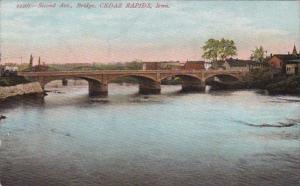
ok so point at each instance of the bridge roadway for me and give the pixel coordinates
(149, 80)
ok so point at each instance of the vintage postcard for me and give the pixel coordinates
(149, 93)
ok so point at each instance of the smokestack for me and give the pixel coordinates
(30, 61)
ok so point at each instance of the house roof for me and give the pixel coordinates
(294, 61)
(195, 62)
(218, 63)
(238, 62)
(285, 57)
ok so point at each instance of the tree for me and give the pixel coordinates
(219, 49)
(227, 48)
(258, 54)
(210, 49)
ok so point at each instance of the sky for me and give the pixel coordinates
(109, 35)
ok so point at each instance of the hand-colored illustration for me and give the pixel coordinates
(150, 93)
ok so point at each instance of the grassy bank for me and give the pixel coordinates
(279, 84)
(13, 80)
(290, 85)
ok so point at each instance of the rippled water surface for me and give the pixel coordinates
(221, 138)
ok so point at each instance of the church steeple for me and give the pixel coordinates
(294, 50)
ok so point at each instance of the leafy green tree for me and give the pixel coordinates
(227, 48)
(219, 49)
(258, 54)
(210, 49)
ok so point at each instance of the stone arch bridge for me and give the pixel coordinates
(149, 80)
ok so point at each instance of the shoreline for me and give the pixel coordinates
(277, 86)
(27, 89)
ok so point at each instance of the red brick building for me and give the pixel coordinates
(285, 63)
(276, 61)
(194, 65)
(151, 66)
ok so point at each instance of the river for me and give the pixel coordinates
(217, 138)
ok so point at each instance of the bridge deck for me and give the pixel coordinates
(97, 72)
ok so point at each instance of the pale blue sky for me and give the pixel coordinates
(177, 33)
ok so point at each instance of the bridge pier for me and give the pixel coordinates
(64, 82)
(192, 86)
(149, 87)
(97, 88)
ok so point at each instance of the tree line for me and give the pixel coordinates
(221, 49)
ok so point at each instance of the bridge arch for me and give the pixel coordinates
(183, 76)
(189, 82)
(147, 84)
(96, 87)
(221, 80)
(45, 80)
(224, 76)
(136, 76)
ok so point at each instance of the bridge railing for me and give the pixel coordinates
(53, 73)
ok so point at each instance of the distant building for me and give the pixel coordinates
(8, 70)
(258, 65)
(194, 65)
(288, 64)
(151, 66)
(237, 64)
(217, 65)
(11, 68)
(40, 68)
(292, 67)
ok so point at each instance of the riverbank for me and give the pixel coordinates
(20, 90)
(263, 80)
(12, 81)
(289, 85)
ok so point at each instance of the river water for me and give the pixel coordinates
(217, 138)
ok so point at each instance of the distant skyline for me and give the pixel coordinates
(79, 35)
